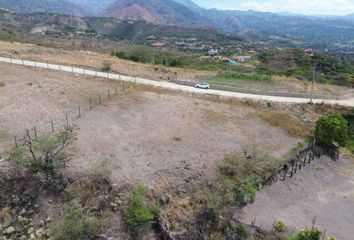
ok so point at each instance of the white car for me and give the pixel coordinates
(202, 85)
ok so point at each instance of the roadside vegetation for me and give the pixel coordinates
(297, 63)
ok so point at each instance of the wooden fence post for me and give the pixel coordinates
(79, 110)
(99, 99)
(109, 95)
(52, 123)
(15, 139)
(35, 133)
(67, 119)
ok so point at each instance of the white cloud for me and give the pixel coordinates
(296, 6)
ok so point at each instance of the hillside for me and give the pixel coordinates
(35, 6)
(158, 11)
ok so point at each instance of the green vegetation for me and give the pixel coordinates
(280, 226)
(241, 177)
(76, 225)
(144, 54)
(307, 234)
(297, 63)
(43, 157)
(350, 120)
(139, 213)
(332, 129)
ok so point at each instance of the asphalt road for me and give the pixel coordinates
(172, 86)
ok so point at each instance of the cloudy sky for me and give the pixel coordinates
(323, 7)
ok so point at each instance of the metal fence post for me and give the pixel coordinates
(10, 59)
(79, 112)
(99, 99)
(35, 63)
(52, 123)
(109, 95)
(83, 69)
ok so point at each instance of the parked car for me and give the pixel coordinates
(202, 85)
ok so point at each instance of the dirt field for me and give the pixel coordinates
(324, 190)
(30, 97)
(140, 135)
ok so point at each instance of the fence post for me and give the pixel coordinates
(52, 123)
(67, 119)
(47, 65)
(35, 133)
(90, 104)
(107, 75)
(72, 69)
(35, 63)
(59, 67)
(99, 99)
(23, 63)
(116, 90)
(79, 109)
(10, 59)
(83, 69)
(109, 95)
(15, 139)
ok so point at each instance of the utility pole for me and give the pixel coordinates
(313, 81)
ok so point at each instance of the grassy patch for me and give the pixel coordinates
(139, 213)
(76, 225)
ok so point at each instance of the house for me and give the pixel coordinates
(213, 52)
(242, 58)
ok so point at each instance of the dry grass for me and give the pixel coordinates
(293, 126)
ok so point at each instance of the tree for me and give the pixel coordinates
(330, 130)
(44, 157)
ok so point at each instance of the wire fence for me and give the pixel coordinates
(67, 118)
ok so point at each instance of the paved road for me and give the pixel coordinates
(172, 86)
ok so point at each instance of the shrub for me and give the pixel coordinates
(280, 226)
(246, 191)
(332, 129)
(139, 213)
(2, 84)
(307, 234)
(106, 66)
(75, 225)
(43, 158)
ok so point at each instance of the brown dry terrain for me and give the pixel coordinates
(94, 60)
(141, 135)
(323, 190)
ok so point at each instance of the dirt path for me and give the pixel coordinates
(168, 85)
(324, 189)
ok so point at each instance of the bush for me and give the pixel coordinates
(43, 158)
(2, 84)
(246, 191)
(280, 226)
(139, 213)
(75, 225)
(332, 129)
(307, 234)
(106, 66)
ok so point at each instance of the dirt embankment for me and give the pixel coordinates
(323, 190)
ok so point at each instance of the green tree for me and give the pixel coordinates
(332, 129)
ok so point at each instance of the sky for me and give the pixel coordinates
(308, 7)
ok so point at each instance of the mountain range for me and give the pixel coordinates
(314, 30)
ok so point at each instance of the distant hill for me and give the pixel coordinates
(158, 11)
(95, 6)
(35, 6)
